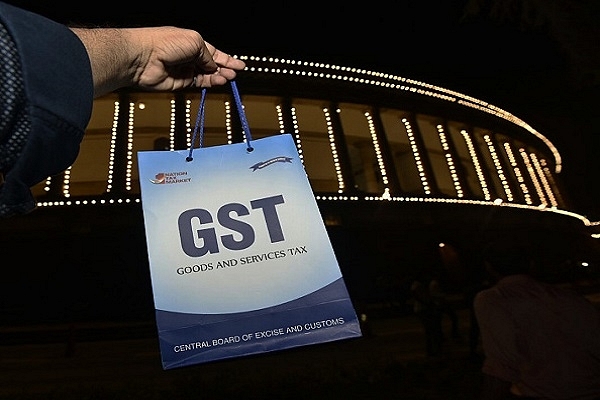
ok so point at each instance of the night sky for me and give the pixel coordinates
(539, 61)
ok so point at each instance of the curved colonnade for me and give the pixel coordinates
(405, 173)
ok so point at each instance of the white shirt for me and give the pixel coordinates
(544, 338)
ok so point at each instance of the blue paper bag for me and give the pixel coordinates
(239, 257)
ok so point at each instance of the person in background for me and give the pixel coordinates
(540, 340)
(440, 299)
(477, 282)
(428, 312)
(50, 74)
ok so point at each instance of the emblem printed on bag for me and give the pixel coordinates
(264, 164)
(165, 178)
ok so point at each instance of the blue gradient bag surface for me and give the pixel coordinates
(239, 256)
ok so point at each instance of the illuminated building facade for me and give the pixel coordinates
(397, 167)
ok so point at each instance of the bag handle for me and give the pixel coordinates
(199, 126)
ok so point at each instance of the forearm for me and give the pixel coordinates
(111, 62)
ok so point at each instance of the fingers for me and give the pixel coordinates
(227, 67)
(213, 80)
(224, 60)
(206, 61)
(227, 61)
(227, 73)
(220, 77)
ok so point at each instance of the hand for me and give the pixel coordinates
(173, 57)
(154, 58)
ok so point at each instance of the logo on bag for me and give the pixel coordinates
(263, 164)
(165, 178)
(198, 242)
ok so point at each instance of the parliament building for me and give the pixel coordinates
(406, 175)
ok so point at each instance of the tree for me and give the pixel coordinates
(572, 24)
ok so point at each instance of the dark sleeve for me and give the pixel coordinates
(49, 122)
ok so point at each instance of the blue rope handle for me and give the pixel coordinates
(242, 114)
(199, 127)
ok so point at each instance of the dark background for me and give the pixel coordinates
(537, 59)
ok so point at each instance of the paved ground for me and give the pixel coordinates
(104, 362)
(122, 361)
